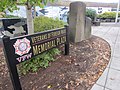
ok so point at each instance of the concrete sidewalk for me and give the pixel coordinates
(110, 79)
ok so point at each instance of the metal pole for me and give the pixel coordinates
(117, 11)
(67, 41)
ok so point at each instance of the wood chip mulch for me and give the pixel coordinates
(77, 71)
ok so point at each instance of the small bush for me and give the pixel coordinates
(41, 61)
(108, 15)
(45, 23)
(10, 16)
(91, 13)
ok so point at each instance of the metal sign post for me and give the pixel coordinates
(10, 59)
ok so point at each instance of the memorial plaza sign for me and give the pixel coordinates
(25, 47)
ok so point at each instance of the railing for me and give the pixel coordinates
(12, 25)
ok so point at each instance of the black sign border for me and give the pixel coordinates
(10, 56)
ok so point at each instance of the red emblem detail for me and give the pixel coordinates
(22, 46)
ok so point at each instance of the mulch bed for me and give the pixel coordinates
(77, 71)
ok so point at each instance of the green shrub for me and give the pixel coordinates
(91, 13)
(10, 16)
(108, 15)
(44, 23)
(42, 60)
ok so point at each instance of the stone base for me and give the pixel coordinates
(96, 23)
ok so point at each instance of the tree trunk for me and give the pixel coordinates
(30, 24)
(34, 12)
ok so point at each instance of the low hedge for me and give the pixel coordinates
(108, 15)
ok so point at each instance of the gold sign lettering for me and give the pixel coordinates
(38, 48)
(35, 50)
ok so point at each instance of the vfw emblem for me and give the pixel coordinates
(22, 46)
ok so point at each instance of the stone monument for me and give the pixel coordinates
(88, 25)
(77, 21)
